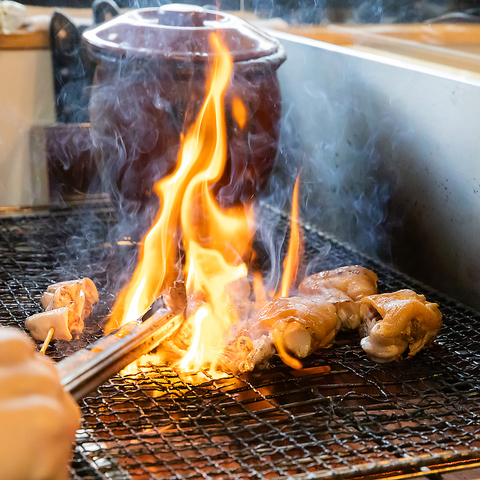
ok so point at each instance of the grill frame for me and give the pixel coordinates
(120, 439)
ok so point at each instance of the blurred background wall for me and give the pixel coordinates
(314, 11)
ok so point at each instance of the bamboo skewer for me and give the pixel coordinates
(47, 341)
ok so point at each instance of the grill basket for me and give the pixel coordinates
(358, 419)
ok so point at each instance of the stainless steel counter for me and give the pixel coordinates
(391, 158)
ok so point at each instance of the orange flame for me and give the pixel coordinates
(239, 112)
(214, 239)
(290, 264)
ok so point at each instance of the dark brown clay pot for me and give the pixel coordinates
(150, 83)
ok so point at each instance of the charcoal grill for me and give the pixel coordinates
(358, 419)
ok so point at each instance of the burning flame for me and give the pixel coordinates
(290, 264)
(214, 239)
(239, 112)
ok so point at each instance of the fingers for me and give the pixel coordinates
(38, 419)
(35, 441)
(34, 376)
(15, 347)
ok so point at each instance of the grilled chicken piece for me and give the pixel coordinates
(78, 296)
(354, 280)
(397, 321)
(66, 304)
(39, 324)
(343, 287)
(256, 354)
(83, 292)
(72, 298)
(295, 326)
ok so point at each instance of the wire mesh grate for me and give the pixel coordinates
(355, 419)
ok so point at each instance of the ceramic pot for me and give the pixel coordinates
(150, 83)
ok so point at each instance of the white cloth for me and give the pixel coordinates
(12, 16)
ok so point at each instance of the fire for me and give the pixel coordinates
(239, 112)
(211, 242)
(290, 264)
(214, 239)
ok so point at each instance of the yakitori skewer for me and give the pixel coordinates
(47, 340)
(66, 304)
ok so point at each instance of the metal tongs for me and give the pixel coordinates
(90, 367)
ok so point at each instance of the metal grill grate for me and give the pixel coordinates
(359, 418)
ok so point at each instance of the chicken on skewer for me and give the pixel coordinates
(396, 321)
(66, 304)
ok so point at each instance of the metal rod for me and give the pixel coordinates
(90, 367)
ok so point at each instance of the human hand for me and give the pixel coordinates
(38, 419)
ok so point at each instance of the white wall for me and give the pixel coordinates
(26, 100)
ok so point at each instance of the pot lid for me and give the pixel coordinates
(177, 32)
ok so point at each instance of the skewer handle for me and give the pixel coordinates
(47, 341)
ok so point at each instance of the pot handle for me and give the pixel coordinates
(104, 10)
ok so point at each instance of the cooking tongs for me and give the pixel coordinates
(90, 367)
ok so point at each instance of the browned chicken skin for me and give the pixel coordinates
(344, 287)
(397, 321)
(295, 326)
(354, 280)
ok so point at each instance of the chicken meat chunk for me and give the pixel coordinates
(39, 324)
(293, 327)
(67, 305)
(354, 280)
(395, 322)
(344, 287)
